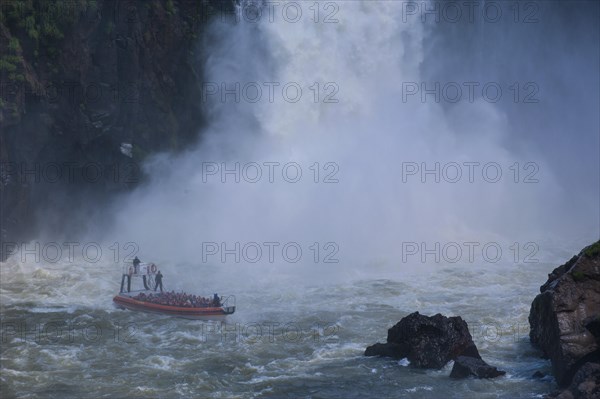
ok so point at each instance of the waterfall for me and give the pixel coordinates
(353, 96)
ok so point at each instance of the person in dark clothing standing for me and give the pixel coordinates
(136, 264)
(158, 278)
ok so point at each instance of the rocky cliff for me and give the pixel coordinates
(88, 89)
(565, 321)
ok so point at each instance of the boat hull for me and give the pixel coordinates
(127, 302)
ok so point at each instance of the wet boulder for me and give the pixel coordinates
(431, 342)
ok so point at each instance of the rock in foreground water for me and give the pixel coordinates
(431, 342)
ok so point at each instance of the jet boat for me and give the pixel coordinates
(169, 303)
(127, 300)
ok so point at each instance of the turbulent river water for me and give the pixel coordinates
(61, 336)
(385, 168)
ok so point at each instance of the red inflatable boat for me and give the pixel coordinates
(169, 303)
(128, 301)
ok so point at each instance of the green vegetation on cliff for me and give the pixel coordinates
(592, 250)
(44, 21)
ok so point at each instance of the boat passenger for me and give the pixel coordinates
(158, 278)
(136, 264)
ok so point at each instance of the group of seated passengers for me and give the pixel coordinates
(179, 299)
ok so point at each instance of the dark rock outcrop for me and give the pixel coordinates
(431, 342)
(465, 366)
(427, 342)
(564, 317)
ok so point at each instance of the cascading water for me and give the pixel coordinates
(364, 131)
(328, 93)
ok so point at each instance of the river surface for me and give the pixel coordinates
(62, 337)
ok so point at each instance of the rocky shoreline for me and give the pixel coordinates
(565, 324)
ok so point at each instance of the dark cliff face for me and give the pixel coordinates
(79, 79)
(564, 317)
